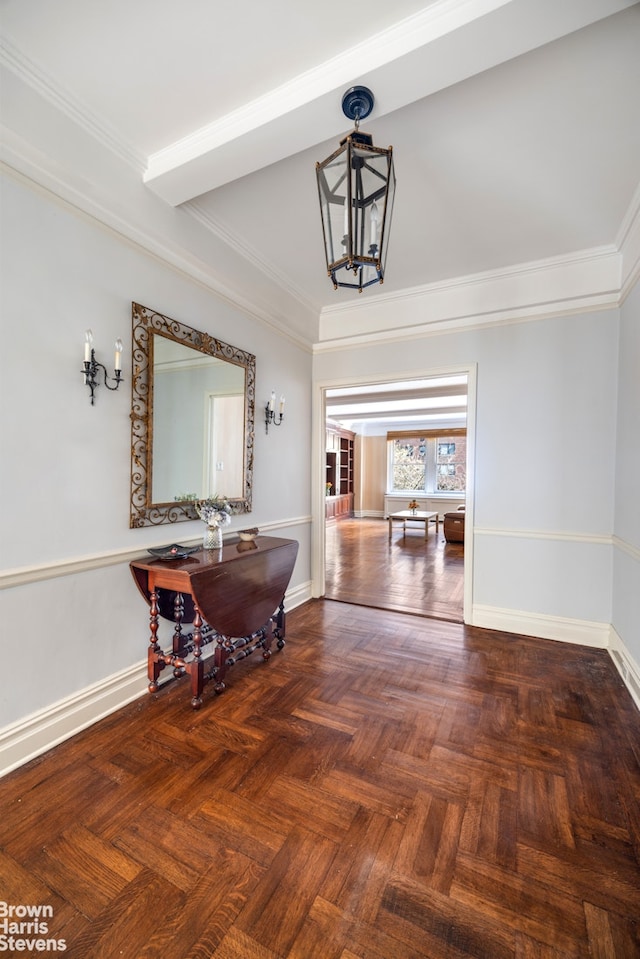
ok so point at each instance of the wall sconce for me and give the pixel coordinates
(270, 412)
(91, 366)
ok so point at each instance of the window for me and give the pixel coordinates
(409, 464)
(428, 464)
(451, 469)
(446, 449)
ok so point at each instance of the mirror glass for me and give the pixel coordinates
(192, 419)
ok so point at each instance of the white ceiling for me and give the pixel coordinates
(438, 402)
(515, 123)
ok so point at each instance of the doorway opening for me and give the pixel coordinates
(363, 560)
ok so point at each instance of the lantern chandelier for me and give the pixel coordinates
(356, 186)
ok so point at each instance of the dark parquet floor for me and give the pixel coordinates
(385, 787)
(405, 574)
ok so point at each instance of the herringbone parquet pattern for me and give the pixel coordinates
(386, 787)
(407, 574)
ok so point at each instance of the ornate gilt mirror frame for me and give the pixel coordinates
(145, 324)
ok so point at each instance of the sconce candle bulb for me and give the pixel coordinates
(270, 412)
(91, 366)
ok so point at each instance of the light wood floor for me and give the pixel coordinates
(385, 787)
(405, 574)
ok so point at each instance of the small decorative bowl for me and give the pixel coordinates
(173, 552)
(248, 535)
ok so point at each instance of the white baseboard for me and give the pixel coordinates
(297, 596)
(39, 732)
(578, 631)
(36, 734)
(626, 665)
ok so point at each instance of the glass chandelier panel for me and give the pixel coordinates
(356, 186)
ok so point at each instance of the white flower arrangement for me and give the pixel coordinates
(215, 511)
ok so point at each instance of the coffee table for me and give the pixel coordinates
(419, 516)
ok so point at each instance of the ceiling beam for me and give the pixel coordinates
(381, 415)
(339, 398)
(446, 42)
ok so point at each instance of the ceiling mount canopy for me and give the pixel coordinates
(357, 103)
(356, 186)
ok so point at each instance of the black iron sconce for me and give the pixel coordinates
(356, 186)
(91, 366)
(270, 412)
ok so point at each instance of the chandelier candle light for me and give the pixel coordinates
(356, 186)
(91, 366)
(270, 412)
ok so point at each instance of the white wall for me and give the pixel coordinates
(545, 460)
(65, 477)
(626, 555)
(74, 627)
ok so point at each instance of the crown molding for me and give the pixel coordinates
(628, 242)
(248, 253)
(581, 282)
(51, 91)
(587, 280)
(590, 279)
(32, 168)
(535, 268)
(519, 294)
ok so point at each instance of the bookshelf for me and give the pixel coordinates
(339, 473)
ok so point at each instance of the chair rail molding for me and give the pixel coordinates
(81, 564)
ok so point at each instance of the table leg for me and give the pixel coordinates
(220, 662)
(178, 614)
(390, 528)
(196, 667)
(279, 620)
(154, 666)
(269, 632)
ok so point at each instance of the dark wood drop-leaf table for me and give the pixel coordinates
(233, 596)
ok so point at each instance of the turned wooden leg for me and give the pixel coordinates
(178, 614)
(197, 666)
(280, 620)
(268, 634)
(154, 667)
(220, 661)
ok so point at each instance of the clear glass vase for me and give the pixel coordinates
(212, 537)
